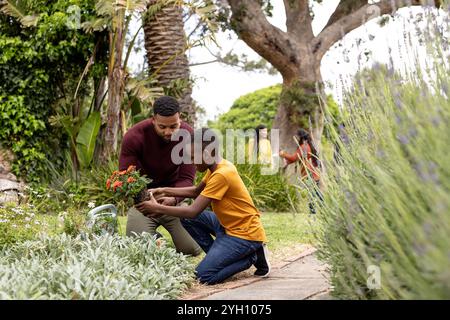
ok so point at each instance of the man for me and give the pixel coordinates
(148, 146)
(235, 222)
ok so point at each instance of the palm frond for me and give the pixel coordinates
(19, 9)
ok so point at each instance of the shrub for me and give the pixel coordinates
(107, 267)
(387, 190)
(250, 110)
(17, 223)
(63, 192)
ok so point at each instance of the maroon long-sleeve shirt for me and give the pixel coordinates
(143, 148)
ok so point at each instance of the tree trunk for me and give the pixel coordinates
(116, 87)
(165, 43)
(299, 105)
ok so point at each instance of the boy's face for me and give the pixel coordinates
(201, 167)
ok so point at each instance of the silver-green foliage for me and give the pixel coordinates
(106, 267)
(387, 196)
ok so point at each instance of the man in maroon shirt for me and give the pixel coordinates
(148, 146)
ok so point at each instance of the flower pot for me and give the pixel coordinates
(142, 196)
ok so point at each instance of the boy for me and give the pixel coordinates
(235, 222)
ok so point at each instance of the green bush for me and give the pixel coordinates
(387, 202)
(40, 67)
(250, 110)
(17, 223)
(107, 267)
(63, 192)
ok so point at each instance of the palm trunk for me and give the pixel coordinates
(165, 43)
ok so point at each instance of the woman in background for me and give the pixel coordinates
(307, 155)
(259, 148)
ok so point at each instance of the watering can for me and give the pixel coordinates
(102, 219)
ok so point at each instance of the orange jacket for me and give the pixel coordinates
(304, 155)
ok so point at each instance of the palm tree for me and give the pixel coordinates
(165, 43)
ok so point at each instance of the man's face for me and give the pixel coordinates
(166, 126)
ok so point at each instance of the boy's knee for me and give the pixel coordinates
(206, 276)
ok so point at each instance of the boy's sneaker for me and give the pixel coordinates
(262, 262)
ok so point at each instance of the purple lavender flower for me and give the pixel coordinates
(403, 139)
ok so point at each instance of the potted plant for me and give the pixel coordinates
(128, 185)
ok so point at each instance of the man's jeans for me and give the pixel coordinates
(226, 255)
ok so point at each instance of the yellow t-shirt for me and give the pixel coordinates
(232, 204)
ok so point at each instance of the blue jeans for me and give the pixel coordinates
(226, 255)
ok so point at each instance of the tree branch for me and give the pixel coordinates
(344, 8)
(203, 63)
(250, 23)
(345, 23)
(298, 19)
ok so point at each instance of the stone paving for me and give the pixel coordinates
(300, 279)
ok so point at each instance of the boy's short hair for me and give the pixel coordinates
(166, 106)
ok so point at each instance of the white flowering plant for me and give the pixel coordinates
(18, 223)
(109, 267)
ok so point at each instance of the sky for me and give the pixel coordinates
(217, 85)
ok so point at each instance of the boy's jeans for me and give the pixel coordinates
(226, 255)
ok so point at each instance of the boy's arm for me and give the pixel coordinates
(152, 208)
(186, 192)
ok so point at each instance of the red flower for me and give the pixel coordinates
(131, 180)
(121, 173)
(117, 184)
(108, 184)
(131, 168)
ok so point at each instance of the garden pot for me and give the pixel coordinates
(142, 196)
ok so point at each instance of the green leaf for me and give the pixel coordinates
(86, 139)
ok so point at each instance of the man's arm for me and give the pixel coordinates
(129, 153)
(152, 208)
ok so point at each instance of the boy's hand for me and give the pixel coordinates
(167, 201)
(148, 208)
(157, 193)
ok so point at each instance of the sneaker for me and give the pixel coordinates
(262, 262)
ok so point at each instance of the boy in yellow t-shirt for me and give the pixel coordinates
(235, 222)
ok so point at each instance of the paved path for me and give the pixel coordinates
(303, 278)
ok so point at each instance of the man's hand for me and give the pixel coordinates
(149, 208)
(167, 201)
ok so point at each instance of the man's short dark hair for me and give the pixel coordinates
(166, 106)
